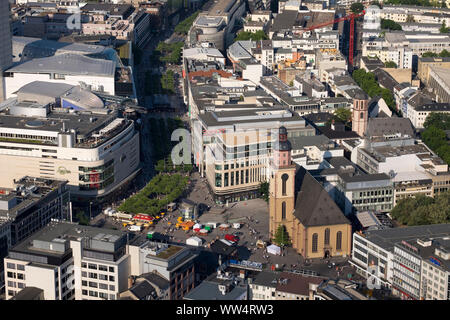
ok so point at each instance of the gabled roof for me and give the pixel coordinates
(313, 205)
(377, 127)
(296, 284)
(142, 290)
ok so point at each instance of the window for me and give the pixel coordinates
(327, 236)
(103, 277)
(102, 267)
(20, 267)
(339, 240)
(92, 275)
(283, 210)
(92, 266)
(315, 240)
(93, 284)
(103, 286)
(11, 265)
(84, 292)
(111, 269)
(111, 278)
(284, 178)
(112, 288)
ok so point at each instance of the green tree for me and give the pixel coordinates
(184, 26)
(444, 54)
(282, 236)
(422, 210)
(429, 54)
(255, 36)
(443, 28)
(390, 25)
(357, 7)
(342, 115)
(434, 137)
(83, 219)
(439, 120)
(264, 190)
(390, 64)
(368, 83)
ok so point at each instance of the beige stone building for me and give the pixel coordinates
(316, 226)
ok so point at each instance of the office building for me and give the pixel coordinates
(411, 184)
(215, 25)
(373, 251)
(5, 44)
(68, 261)
(122, 21)
(419, 114)
(362, 192)
(29, 206)
(424, 64)
(78, 137)
(232, 148)
(439, 82)
(421, 269)
(173, 263)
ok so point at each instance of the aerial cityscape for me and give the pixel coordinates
(224, 150)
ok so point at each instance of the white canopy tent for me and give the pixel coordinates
(273, 249)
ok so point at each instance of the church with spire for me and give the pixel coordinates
(316, 226)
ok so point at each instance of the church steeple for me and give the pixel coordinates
(282, 184)
(282, 149)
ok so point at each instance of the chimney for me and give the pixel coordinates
(312, 289)
(130, 282)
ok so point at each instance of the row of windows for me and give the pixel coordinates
(99, 267)
(96, 285)
(15, 275)
(96, 294)
(13, 266)
(99, 276)
(315, 240)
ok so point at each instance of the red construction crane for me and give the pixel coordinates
(350, 17)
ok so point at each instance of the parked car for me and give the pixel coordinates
(231, 238)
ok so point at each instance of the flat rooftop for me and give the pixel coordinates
(221, 7)
(383, 152)
(38, 189)
(387, 238)
(54, 122)
(66, 231)
(206, 21)
(258, 115)
(69, 64)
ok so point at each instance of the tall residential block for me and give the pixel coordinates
(5, 43)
